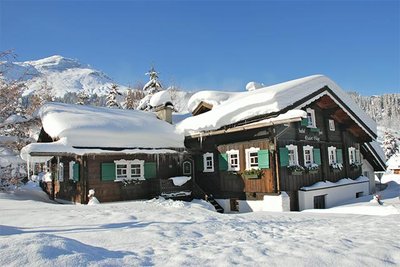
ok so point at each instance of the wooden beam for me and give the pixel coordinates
(325, 102)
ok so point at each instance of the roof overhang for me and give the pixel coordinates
(372, 157)
(254, 125)
(326, 91)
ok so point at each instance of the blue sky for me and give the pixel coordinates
(218, 45)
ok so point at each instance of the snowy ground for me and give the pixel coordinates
(167, 233)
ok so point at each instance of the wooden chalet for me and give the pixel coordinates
(121, 154)
(294, 146)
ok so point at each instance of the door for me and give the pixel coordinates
(319, 202)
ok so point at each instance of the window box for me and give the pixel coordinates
(252, 174)
(336, 167)
(295, 169)
(312, 169)
(355, 166)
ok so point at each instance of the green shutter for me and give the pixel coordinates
(76, 172)
(317, 156)
(304, 122)
(223, 162)
(263, 159)
(150, 170)
(339, 156)
(108, 171)
(284, 156)
(199, 163)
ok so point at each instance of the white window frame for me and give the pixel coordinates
(295, 160)
(331, 125)
(61, 172)
(129, 164)
(311, 119)
(249, 158)
(310, 149)
(208, 158)
(332, 152)
(187, 162)
(231, 166)
(352, 155)
(71, 170)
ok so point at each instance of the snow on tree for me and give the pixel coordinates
(129, 100)
(390, 146)
(112, 97)
(153, 85)
(82, 98)
(150, 88)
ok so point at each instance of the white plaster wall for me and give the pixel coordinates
(225, 204)
(269, 203)
(367, 168)
(334, 195)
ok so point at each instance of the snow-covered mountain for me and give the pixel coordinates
(58, 75)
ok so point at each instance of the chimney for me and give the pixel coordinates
(164, 112)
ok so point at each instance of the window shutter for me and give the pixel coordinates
(76, 171)
(150, 170)
(263, 159)
(199, 163)
(339, 156)
(108, 171)
(223, 162)
(358, 156)
(317, 156)
(284, 156)
(304, 122)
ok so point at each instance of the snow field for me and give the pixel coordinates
(163, 232)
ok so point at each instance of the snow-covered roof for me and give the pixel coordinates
(327, 184)
(214, 98)
(78, 126)
(229, 108)
(160, 98)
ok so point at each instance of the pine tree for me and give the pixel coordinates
(151, 87)
(129, 100)
(390, 146)
(112, 97)
(82, 98)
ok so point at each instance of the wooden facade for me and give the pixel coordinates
(96, 171)
(333, 129)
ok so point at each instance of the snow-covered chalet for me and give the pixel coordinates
(122, 154)
(291, 146)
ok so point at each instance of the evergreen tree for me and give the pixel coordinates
(82, 98)
(153, 85)
(112, 97)
(390, 146)
(129, 100)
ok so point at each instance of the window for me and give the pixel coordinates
(293, 155)
(308, 155)
(332, 155)
(187, 168)
(352, 155)
(311, 118)
(71, 170)
(332, 125)
(208, 160)
(61, 172)
(252, 158)
(129, 169)
(233, 160)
